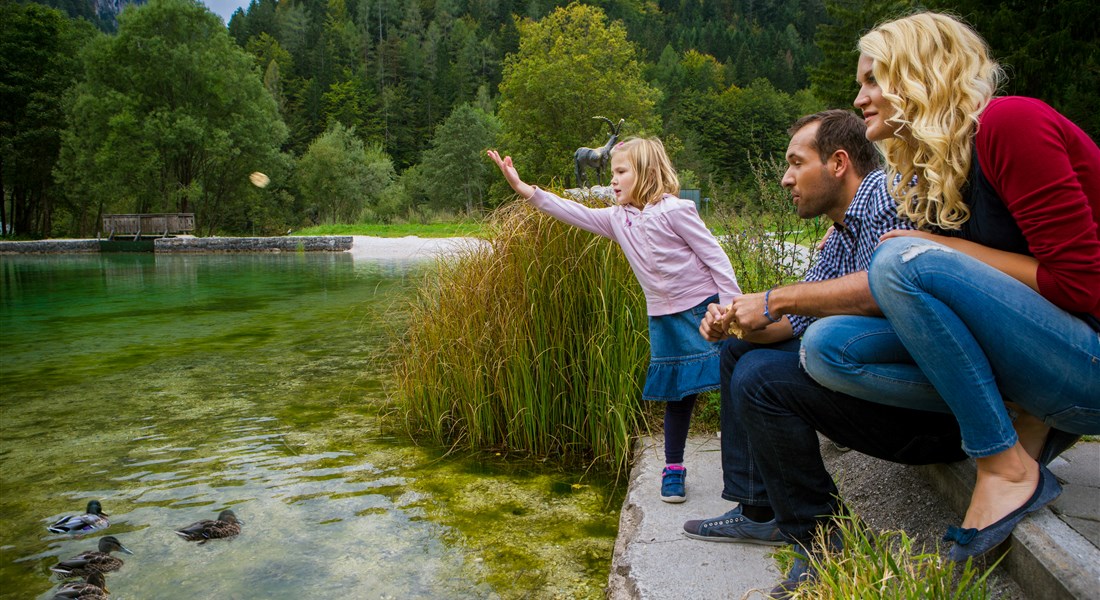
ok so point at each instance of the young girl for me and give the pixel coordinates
(681, 268)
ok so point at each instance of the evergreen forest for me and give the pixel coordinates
(380, 110)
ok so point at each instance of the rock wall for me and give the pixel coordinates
(49, 246)
(255, 244)
(193, 244)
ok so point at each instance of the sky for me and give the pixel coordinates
(225, 8)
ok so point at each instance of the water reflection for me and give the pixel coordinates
(172, 387)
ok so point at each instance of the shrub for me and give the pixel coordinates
(534, 343)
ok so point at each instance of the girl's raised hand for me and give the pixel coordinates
(511, 175)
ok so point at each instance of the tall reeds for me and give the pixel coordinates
(535, 343)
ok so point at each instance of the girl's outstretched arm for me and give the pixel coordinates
(511, 175)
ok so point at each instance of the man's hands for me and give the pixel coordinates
(743, 318)
(748, 312)
(511, 175)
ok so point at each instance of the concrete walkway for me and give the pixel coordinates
(654, 560)
(1052, 554)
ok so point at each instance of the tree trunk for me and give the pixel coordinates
(4, 225)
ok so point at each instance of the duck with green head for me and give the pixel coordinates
(93, 561)
(227, 526)
(93, 520)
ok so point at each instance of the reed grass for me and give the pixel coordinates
(535, 343)
(886, 565)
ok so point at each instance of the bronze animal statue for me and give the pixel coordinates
(595, 158)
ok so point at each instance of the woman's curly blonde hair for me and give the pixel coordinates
(938, 75)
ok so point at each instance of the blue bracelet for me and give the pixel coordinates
(767, 314)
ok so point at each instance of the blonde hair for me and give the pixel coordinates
(654, 173)
(937, 74)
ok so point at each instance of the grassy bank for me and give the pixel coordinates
(425, 230)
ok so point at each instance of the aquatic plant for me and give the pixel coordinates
(534, 343)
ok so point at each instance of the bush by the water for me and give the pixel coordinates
(535, 343)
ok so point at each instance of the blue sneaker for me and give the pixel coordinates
(735, 527)
(801, 572)
(674, 484)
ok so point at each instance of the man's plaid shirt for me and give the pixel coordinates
(848, 249)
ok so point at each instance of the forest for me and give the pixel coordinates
(380, 110)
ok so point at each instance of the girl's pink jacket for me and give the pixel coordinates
(674, 256)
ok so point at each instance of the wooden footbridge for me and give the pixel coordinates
(148, 225)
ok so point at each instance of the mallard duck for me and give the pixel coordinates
(94, 588)
(90, 562)
(94, 520)
(226, 526)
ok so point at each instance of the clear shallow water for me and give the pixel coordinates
(171, 387)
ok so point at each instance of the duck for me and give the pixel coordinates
(94, 520)
(93, 588)
(227, 526)
(92, 561)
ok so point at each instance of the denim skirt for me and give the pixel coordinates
(681, 361)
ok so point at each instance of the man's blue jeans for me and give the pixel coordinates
(961, 337)
(779, 409)
(741, 481)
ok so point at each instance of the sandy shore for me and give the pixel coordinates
(409, 247)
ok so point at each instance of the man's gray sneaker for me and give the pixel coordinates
(735, 527)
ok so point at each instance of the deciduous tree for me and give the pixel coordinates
(171, 117)
(38, 48)
(339, 176)
(571, 65)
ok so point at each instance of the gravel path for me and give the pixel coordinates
(408, 247)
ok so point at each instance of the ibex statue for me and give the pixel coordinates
(595, 158)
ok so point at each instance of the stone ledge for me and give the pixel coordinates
(49, 247)
(324, 243)
(255, 244)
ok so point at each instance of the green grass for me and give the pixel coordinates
(874, 566)
(424, 230)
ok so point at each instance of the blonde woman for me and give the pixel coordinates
(680, 267)
(993, 308)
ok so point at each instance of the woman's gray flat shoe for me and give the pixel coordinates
(972, 543)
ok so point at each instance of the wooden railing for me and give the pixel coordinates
(156, 225)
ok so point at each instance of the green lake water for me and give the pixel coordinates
(170, 387)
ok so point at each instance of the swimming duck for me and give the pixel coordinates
(94, 520)
(226, 526)
(90, 562)
(94, 588)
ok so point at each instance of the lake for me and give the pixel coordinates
(170, 387)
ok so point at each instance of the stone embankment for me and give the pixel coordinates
(325, 243)
(49, 247)
(255, 244)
